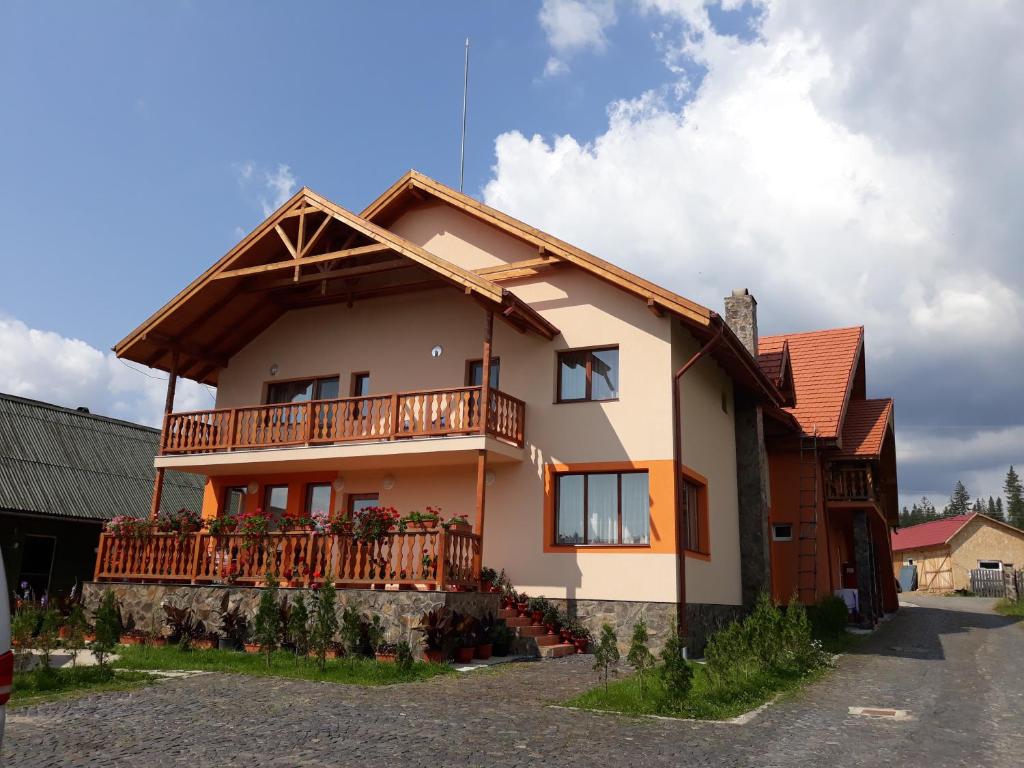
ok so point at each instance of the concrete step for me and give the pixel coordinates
(557, 651)
(518, 621)
(546, 639)
(508, 613)
(531, 631)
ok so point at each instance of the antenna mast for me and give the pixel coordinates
(465, 95)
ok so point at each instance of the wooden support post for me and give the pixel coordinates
(481, 497)
(485, 373)
(158, 480)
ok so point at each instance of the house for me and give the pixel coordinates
(834, 493)
(604, 436)
(63, 473)
(945, 551)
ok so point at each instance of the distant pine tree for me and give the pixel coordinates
(999, 509)
(979, 506)
(928, 512)
(995, 510)
(1014, 499)
(905, 518)
(959, 502)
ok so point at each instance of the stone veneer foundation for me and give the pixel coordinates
(704, 619)
(400, 611)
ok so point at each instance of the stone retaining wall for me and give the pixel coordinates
(399, 610)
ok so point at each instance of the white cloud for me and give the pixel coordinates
(572, 26)
(268, 188)
(850, 164)
(46, 366)
(281, 184)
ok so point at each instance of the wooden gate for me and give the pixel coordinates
(986, 582)
(936, 574)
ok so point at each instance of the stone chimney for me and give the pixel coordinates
(741, 316)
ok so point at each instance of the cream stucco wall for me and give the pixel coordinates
(981, 539)
(392, 338)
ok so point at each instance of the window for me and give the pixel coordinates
(782, 532)
(234, 500)
(608, 508)
(990, 565)
(475, 373)
(695, 517)
(360, 501)
(588, 374)
(275, 501)
(37, 563)
(318, 498)
(301, 390)
(360, 384)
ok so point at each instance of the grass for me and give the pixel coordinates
(357, 671)
(706, 700)
(35, 688)
(1010, 607)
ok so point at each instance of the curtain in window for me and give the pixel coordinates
(692, 514)
(573, 373)
(605, 375)
(570, 509)
(636, 516)
(602, 509)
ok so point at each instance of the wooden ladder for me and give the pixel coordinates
(807, 528)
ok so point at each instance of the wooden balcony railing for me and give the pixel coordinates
(428, 413)
(849, 484)
(435, 559)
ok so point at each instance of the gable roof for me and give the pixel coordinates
(778, 367)
(62, 462)
(227, 305)
(414, 188)
(865, 426)
(940, 532)
(823, 364)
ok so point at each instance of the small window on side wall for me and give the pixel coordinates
(234, 500)
(695, 517)
(588, 375)
(782, 532)
(475, 373)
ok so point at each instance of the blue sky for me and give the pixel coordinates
(838, 159)
(127, 124)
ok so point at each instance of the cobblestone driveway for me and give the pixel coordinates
(952, 662)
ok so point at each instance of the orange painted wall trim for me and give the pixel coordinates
(213, 494)
(662, 499)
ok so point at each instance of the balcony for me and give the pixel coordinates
(850, 484)
(376, 418)
(412, 559)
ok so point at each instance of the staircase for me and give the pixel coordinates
(534, 640)
(807, 528)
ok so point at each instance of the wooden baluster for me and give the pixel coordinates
(441, 565)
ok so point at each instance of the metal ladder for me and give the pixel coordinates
(807, 528)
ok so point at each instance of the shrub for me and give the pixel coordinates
(108, 626)
(436, 627)
(233, 624)
(76, 626)
(267, 624)
(46, 637)
(728, 654)
(606, 654)
(325, 620)
(298, 626)
(676, 672)
(23, 630)
(764, 630)
(352, 630)
(639, 655)
(796, 636)
(829, 617)
(403, 656)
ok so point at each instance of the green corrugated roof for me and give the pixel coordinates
(64, 462)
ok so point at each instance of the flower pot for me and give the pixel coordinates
(89, 637)
(464, 655)
(551, 629)
(225, 644)
(434, 656)
(205, 643)
(132, 640)
(536, 618)
(333, 653)
(386, 658)
(522, 608)
(64, 633)
(581, 644)
(484, 650)
(565, 635)
(252, 647)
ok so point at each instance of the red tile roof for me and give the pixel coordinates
(822, 363)
(772, 362)
(864, 427)
(931, 534)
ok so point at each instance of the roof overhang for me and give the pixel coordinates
(309, 252)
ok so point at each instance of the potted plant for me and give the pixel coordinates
(488, 580)
(501, 640)
(435, 626)
(133, 637)
(552, 620)
(251, 646)
(253, 526)
(372, 524)
(156, 640)
(181, 625)
(386, 652)
(125, 526)
(466, 634)
(206, 641)
(222, 525)
(522, 603)
(537, 606)
(456, 523)
(233, 625)
(581, 637)
(487, 626)
(296, 521)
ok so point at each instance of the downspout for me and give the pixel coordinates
(677, 470)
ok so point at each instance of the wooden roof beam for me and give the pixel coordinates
(390, 265)
(363, 250)
(186, 348)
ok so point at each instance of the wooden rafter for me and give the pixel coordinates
(363, 250)
(286, 240)
(391, 265)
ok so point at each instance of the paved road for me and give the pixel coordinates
(957, 666)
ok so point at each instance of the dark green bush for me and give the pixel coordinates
(829, 617)
(676, 672)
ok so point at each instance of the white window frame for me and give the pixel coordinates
(998, 563)
(775, 532)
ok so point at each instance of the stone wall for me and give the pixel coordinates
(399, 610)
(704, 619)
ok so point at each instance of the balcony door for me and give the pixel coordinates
(286, 423)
